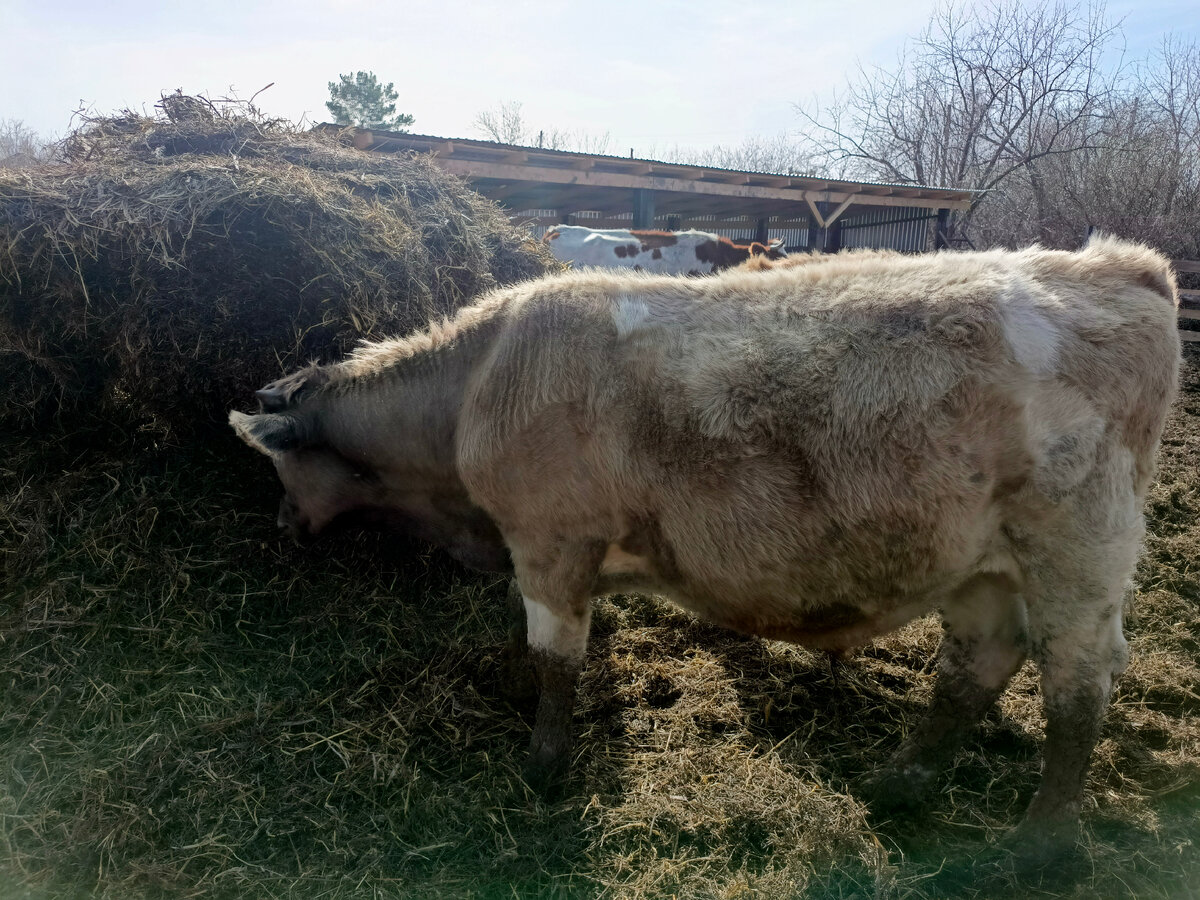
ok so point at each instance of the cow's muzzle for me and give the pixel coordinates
(294, 523)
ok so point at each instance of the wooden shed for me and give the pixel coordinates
(550, 187)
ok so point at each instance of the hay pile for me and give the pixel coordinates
(166, 265)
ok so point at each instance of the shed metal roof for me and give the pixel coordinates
(536, 178)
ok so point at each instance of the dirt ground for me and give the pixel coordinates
(191, 708)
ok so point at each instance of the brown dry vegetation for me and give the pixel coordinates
(191, 708)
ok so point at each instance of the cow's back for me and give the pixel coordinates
(866, 427)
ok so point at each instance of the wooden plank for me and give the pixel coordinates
(1190, 296)
(816, 213)
(488, 150)
(1189, 336)
(1186, 265)
(510, 173)
(841, 209)
(1189, 313)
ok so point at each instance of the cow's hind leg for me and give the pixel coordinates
(1079, 644)
(1076, 578)
(983, 645)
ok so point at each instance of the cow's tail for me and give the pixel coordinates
(1132, 262)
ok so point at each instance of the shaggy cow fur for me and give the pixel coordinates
(815, 452)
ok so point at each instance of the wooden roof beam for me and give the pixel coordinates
(595, 178)
(502, 192)
(601, 201)
(728, 177)
(826, 222)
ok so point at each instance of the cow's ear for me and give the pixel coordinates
(279, 395)
(270, 433)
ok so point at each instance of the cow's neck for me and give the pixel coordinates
(407, 416)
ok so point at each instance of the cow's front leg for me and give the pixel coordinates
(556, 597)
(983, 645)
(557, 641)
(517, 682)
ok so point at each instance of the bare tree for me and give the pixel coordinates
(983, 93)
(579, 140)
(780, 154)
(1136, 175)
(20, 146)
(506, 124)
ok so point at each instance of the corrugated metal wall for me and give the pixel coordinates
(900, 229)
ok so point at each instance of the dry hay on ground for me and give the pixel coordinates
(189, 708)
(166, 265)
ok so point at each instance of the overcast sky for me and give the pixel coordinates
(654, 73)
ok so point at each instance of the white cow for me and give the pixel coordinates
(663, 252)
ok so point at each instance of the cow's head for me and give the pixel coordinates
(324, 480)
(319, 482)
(770, 250)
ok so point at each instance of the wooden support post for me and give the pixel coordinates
(817, 233)
(673, 223)
(833, 237)
(643, 208)
(760, 230)
(941, 235)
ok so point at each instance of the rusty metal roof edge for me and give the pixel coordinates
(832, 183)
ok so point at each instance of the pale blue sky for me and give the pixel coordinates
(653, 73)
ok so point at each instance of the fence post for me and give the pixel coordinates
(643, 208)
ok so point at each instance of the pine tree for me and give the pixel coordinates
(360, 100)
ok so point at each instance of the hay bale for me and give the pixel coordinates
(166, 265)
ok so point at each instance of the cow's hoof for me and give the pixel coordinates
(545, 770)
(1035, 845)
(897, 791)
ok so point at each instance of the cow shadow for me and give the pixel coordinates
(650, 668)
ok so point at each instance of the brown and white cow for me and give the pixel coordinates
(662, 252)
(815, 453)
